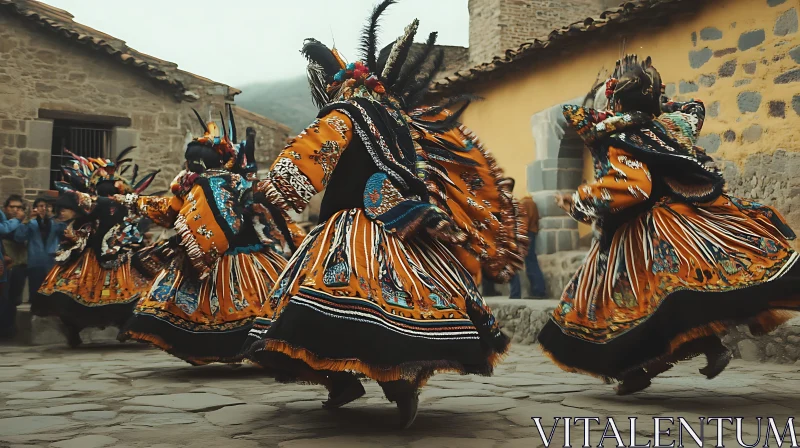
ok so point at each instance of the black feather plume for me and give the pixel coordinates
(369, 36)
(124, 153)
(317, 52)
(418, 89)
(450, 102)
(232, 123)
(222, 122)
(124, 170)
(200, 119)
(135, 174)
(415, 63)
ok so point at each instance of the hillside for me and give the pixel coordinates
(287, 101)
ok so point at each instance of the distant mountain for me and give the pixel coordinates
(287, 101)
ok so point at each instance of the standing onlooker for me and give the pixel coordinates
(532, 269)
(18, 252)
(8, 310)
(43, 234)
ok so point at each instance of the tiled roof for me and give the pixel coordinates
(60, 22)
(636, 13)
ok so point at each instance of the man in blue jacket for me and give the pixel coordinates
(43, 234)
(8, 309)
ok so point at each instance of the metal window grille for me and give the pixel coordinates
(83, 139)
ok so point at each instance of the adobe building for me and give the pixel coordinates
(65, 85)
(529, 57)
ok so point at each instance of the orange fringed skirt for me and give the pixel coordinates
(675, 274)
(85, 294)
(356, 298)
(205, 321)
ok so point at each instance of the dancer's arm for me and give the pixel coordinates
(626, 184)
(162, 211)
(305, 166)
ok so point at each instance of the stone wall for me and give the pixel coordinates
(499, 25)
(41, 70)
(749, 75)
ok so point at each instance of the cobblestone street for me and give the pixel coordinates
(132, 396)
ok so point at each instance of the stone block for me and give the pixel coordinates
(777, 109)
(122, 138)
(698, 58)
(571, 163)
(749, 101)
(28, 159)
(569, 179)
(8, 125)
(534, 176)
(47, 330)
(741, 82)
(794, 53)
(796, 104)
(550, 179)
(9, 161)
(751, 39)
(551, 223)
(688, 87)
(788, 77)
(22, 141)
(729, 136)
(670, 90)
(772, 3)
(546, 203)
(567, 240)
(727, 69)
(710, 33)
(707, 80)
(710, 142)
(40, 134)
(752, 134)
(750, 68)
(786, 23)
(11, 185)
(724, 52)
(546, 242)
(144, 122)
(167, 120)
(713, 109)
(39, 177)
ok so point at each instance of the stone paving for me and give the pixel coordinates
(128, 395)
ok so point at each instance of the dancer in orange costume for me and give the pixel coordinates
(678, 261)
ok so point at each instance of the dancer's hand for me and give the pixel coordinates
(445, 231)
(564, 202)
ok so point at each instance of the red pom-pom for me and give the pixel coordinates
(371, 82)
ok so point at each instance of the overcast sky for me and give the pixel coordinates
(242, 41)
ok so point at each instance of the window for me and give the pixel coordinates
(82, 138)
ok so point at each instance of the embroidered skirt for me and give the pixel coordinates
(357, 298)
(676, 273)
(85, 294)
(205, 321)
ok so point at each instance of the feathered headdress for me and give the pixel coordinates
(84, 174)
(235, 155)
(398, 74)
(635, 83)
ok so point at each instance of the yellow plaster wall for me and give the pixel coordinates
(502, 119)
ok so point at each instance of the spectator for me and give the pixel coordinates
(532, 269)
(18, 252)
(8, 310)
(42, 233)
